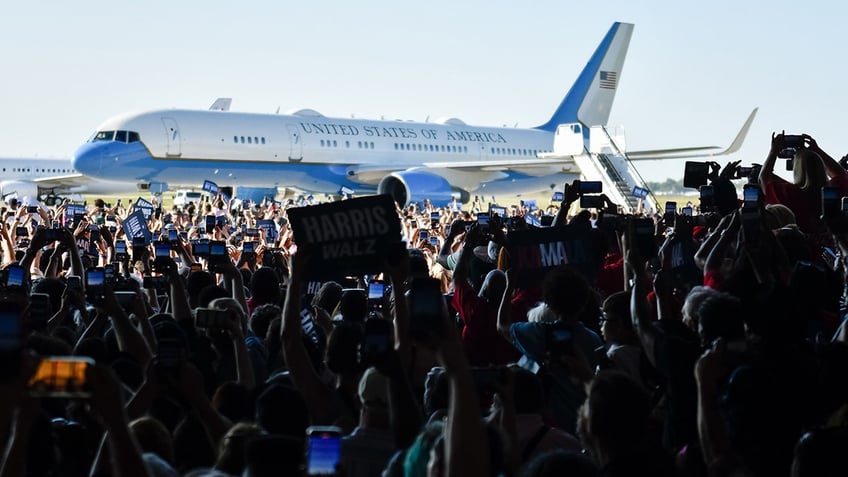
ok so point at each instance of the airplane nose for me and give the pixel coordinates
(88, 159)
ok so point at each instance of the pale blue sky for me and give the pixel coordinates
(693, 72)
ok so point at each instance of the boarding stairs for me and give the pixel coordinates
(604, 160)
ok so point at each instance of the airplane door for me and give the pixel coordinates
(296, 152)
(172, 132)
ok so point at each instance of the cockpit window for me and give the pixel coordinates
(133, 137)
(104, 136)
(121, 136)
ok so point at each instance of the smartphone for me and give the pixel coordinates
(14, 276)
(120, 249)
(21, 232)
(169, 355)
(590, 187)
(323, 449)
(643, 238)
(483, 219)
(591, 202)
(210, 224)
(39, 309)
(125, 298)
(435, 216)
(32, 209)
(499, 211)
(61, 377)
(558, 197)
(831, 202)
(138, 246)
(423, 234)
(751, 194)
(211, 318)
(670, 207)
(695, 174)
(434, 241)
(375, 290)
(248, 247)
(95, 279)
(161, 248)
(376, 342)
(173, 235)
(217, 249)
(74, 282)
(200, 249)
(686, 211)
(426, 307)
(751, 225)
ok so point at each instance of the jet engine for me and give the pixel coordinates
(407, 187)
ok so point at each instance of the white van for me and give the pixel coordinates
(183, 197)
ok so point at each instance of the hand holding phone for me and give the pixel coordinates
(323, 450)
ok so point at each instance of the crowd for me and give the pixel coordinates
(712, 343)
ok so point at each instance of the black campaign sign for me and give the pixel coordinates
(348, 237)
(534, 252)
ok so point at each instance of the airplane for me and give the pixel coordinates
(411, 161)
(51, 178)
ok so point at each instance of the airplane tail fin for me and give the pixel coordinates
(590, 98)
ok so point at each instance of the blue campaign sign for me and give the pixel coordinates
(210, 187)
(136, 226)
(146, 207)
(270, 228)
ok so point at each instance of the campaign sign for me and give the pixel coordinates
(72, 210)
(136, 226)
(146, 207)
(349, 237)
(270, 229)
(534, 252)
(210, 187)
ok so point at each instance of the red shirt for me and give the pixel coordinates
(483, 345)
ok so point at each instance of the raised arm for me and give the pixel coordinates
(767, 171)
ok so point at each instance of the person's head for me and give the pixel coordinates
(328, 296)
(233, 401)
(343, 349)
(195, 283)
(374, 391)
(777, 216)
(541, 313)
(281, 410)
(808, 170)
(233, 446)
(692, 303)
(566, 291)
(232, 307)
(557, 463)
(265, 286)
(152, 436)
(616, 325)
(418, 454)
(353, 306)
(613, 419)
(261, 318)
(493, 286)
(720, 316)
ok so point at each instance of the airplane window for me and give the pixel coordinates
(322, 143)
(242, 139)
(133, 137)
(121, 136)
(263, 140)
(235, 139)
(372, 145)
(255, 140)
(249, 140)
(104, 136)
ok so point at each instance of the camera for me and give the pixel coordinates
(791, 145)
(695, 174)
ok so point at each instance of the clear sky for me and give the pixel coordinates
(693, 72)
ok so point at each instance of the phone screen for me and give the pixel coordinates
(670, 207)
(483, 219)
(120, 247)
(15, 276)
(557, 197)
(217, 249)
(173, 235)
(686, 211)
(95, 278)
(247, 247)
(324, 451)
(590, 187)
(162, 249)
(375, 291)
(61, 377)
(751, 194)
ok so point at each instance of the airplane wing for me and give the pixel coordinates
(686, 152)
(62, 182)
